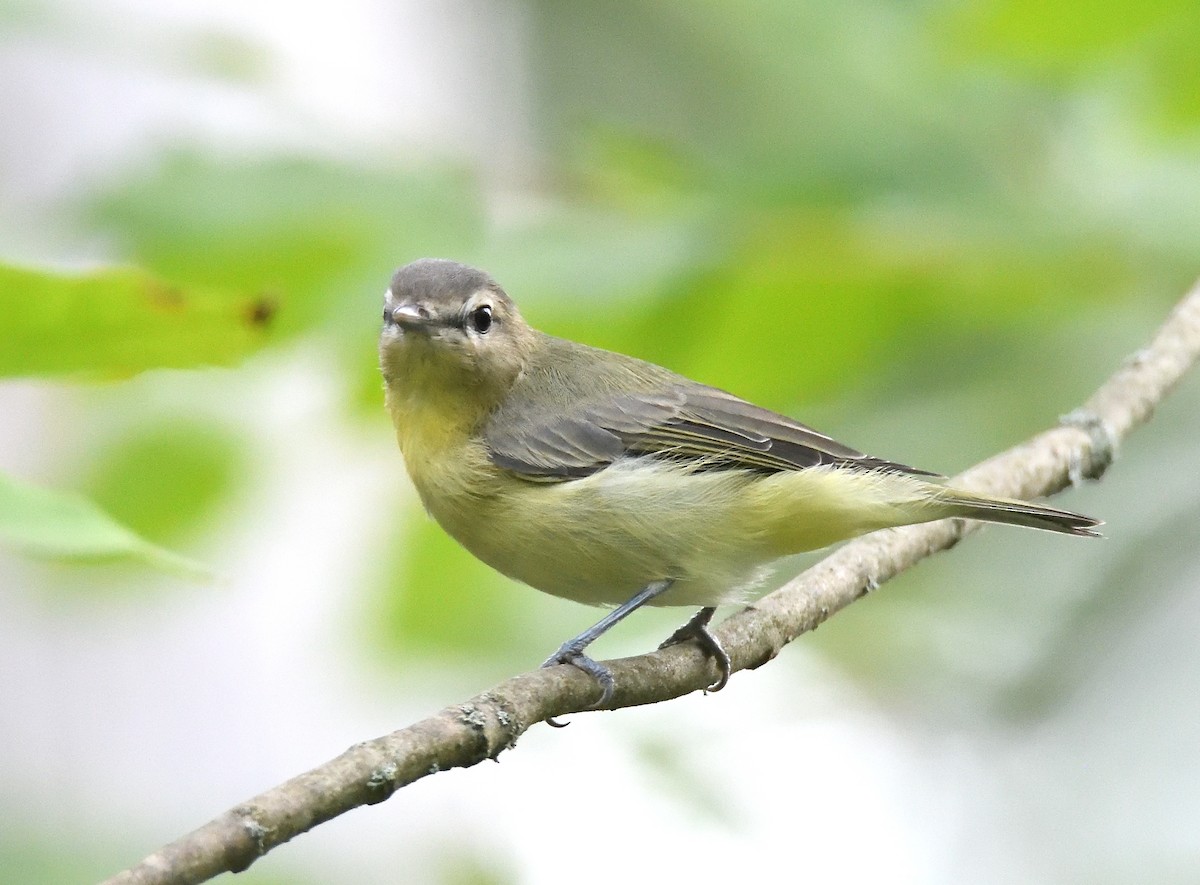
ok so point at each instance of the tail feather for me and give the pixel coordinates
(1002, 510)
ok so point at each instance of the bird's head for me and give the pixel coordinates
(450, 330)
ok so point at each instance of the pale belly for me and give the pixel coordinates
(601, 539)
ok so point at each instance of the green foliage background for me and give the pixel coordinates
(928, 228)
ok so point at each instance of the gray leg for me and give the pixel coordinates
(697, 629)
(571, 652)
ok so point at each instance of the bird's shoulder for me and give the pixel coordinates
(571, 373)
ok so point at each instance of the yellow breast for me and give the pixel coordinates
(449, 466)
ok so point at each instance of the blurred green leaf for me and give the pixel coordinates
(32, 852)
(1142, 53)
(17, 13)
(121, 321)
(1067, 35)
(437, 598)
(813, 303)
(1175, 78)
(224, 55)
(461, 864)
(191, 467)
(595, 261)
(681, 777)
(66, 525)
(634, 169)
(775, 101)
(327, 235)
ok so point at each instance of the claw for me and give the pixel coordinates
(568, 654)
(697, 629)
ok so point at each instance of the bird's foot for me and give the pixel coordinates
(569, 653)
(697, 629)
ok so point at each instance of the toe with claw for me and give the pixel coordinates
(697, 629)
(568, 654)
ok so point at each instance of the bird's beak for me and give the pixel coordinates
(410, 317)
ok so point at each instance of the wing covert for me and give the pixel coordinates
(704, 425)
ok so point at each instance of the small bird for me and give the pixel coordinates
(612, 481)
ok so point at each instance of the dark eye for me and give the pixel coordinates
(481, 318)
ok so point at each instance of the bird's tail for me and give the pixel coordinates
(1003, 510)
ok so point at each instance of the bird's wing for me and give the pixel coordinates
(702, 425)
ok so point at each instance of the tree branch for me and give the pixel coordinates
(1081, 446)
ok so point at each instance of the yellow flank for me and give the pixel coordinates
(808, 509)
(600, 538)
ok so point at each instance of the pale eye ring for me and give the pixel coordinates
(480, 319)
